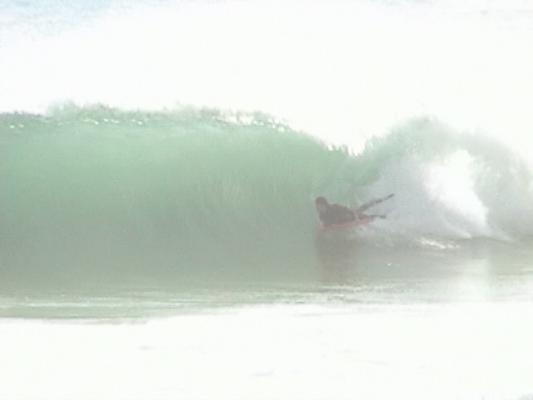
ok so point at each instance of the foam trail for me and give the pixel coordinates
(447, 184)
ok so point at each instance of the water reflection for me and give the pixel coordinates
(469, 271)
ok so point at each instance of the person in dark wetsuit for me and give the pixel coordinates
(335, 214)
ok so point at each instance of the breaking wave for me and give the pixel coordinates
(103, 193)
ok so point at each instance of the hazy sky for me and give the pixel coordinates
(340, 70)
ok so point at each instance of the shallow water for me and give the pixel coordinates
(346, 274)
(437, 351)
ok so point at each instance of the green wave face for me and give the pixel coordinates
(95, 195)
(94, 192)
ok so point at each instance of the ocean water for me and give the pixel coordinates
(159, 163)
